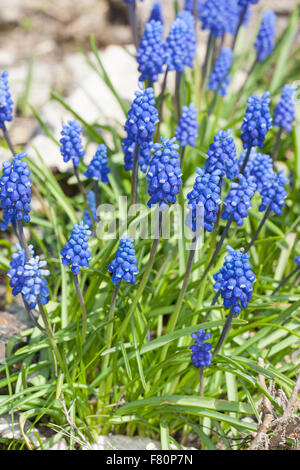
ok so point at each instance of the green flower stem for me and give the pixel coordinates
(161, 103)
(285, 280)
(55, 350)
(207, 62)
(201, 370)
(225, 332)
(241, 90)
(277, 144)
(134, 176)
(242, 17)
(22, 240)
(246, 159)
(177, 94)
(96, 191)
(262, 222)
(182, 156)
(8, 140)
(82, 305)
(145, 277)
(81, 189)
(109, 335)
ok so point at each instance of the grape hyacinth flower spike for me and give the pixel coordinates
(284, 114)
(222, 155)
(273, 199)
(71, 148)
(256, 124)
(76, 254)
(140, 128)
(98, 170)
(157, 12)
(265, 40)
(187, 130)
(15, 196)
(92, 202)
(220, 77)
(151, 55)
(6, 108)
(234, 281)
(201, 356)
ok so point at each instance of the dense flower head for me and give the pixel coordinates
(35, 288)
(144, 156)
(238, 201)
(265, 40)
(187, 130)
(234, 12)
(260, 166)
(71, 144)
(92, 202)
(16, 271)
(220, 77)
(181, 43)
(274, 193)
(164, 174)
(151, 53)
(97, 169)
(297, 260)
(201, 355)
(15, 190)
(235, 279)
(222, 156)
(206, 191)
(142, 117)
(124, 266)
(6, 102)
(257, 121)
(284, 112)
(75, 251)
(213, 15)
(157, 12)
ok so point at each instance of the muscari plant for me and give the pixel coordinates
(112, 318)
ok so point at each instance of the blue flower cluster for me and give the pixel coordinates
(15, 191)
(144, 156)
(257, 121)
(260, 166)
(124, 266)
(234, 12)
(181, 43)
(274, 193)
(6, 102)
(142, 117)
(16, 271)
(235, 279)
(189, 5)
(201, 355)
(75, 251)
(221, 155)
(220, 77)
(297, 260)
(151, 53)
(187, 130)
(92, 202)
(157, 12)
(164, 174)
(206, 191)
(35, 288)
(244, 3)
(97, 169)
(71, 145)
(213, 15)
(238, 201)
(265, 40)
(284, 112)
